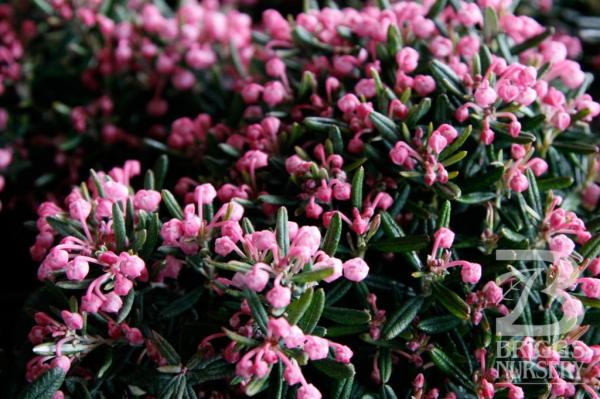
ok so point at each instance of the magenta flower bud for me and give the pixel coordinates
(295, 338)
(485, 96)
(562, 246)
(493, 293)
(77, 269)
(90, 303)
(582, 353)
(62, 362)
(366, 88)
(131, 266)
(487, 136)
(171, 231)
(561, 120)
(437, 142)
(343, 354)
(224, 246)
(470, 272)
(73, 321)
(407, 59)
(205, 193)
(183, 79)
(527, 349)
(80, 209)
(316, 347)
(355, 269)
(115, 191)
(279, 296)
(519, 183)
(399, 153)
(134, 336)
(122, 285)
(424, 84)
(448, 132)
(274, 93)
(147, 200)
(487, 389)
(232, 229)
(257, 278)
(517, 151)
(112, 303)
(308, 392)
(515, 392)
(444, 237)
(279, 328)
(57, 259)
(292, 373)
(251, 93)
(590, 287)
(538, 166)
(514, 128)
(462, 113)
(5, 157)
(58, 395)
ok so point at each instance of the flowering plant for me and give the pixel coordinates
(338, 233)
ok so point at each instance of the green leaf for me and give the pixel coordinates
(447, 77)
(576, 147)
(387, 392)
(160, 171)
(392, 230)
(283, 239)
(532, 41)
(258, 310)
(241, 339)
(333, 235)
(490, 24)
(346, 316)
(312, 275)
(277, 200)
(454, 158)
(64, 228)
(401, 318)
(439, 324)
(119, 227)
(555, 183)
(357, 188)
(385, 126)
(48, 9)
(489, 178)
(435, 10)
(447, 365)
(385, 364)
(333, 369)
(306, 39)
(456, 144)
(126, 308)
(443, 219)
(345, 330)
(256, 385)
(296, 309)
(451, 301)
(151, 237)
(149, 180)
(172, 205)
(418, 112)
(402, 244)
(45, 386)
(321, 124)
(312, 315)
(533, 193)
(476, 198)
(165, 349)
(181, 305)
(591, 248)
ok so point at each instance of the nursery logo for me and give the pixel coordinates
(529, 279)
(529, 341)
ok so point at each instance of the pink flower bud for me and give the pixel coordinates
(448, 131)
(487, 136)
(316, 347)
(561, 120)
(355, 269)
(348, 103)
(399, 154)
(572, 307)
(444, 237)
(279, 328)
(292, 373)
(62, 362)
(224, 246)
(590, 287)
(519, 182)
(73, 321)
(582, 352)
(407, 59)
(343, 354)
(77, 269)
(462, 113)
(517, 151)
(80, 209)
(308, 392)
(295, 338)
(112, 303)
(493, 293)
(274, 93)
(527, 350)
(562, 246)
(134, 336)
(437, 142)
(147, 200)
(257, 278)
(424, 84)
(538, 166)
(485, 96)
(57, 259)
(470, 272)
(514, 128)
(122, 285)
(279, 296)
(90, 303)
(131, 266)
(205, 193)
(115, 191)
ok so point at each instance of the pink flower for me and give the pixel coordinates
(348, 103)
(407, 59)
(295, 338)
(205, 193)
(437, 142)
(343, 354)
(257, 278)
(122, 285)
(424, 84)
(147, 200)
(444, 237)
(112, 303)
(493, 293)
(279, 327)
(470, 272)
(590, 287)
(224, 246)
(77, 269)
(517, 151)
(572, 307)
(131, 266)
(562, 246)
(399, 154)
(308, 392)
(355, 269)
(62, 362)
(274, 93)
(485, 96)
(73, 321)
(527, 350)
(279, 296)
(316, 347)
(519, 182)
